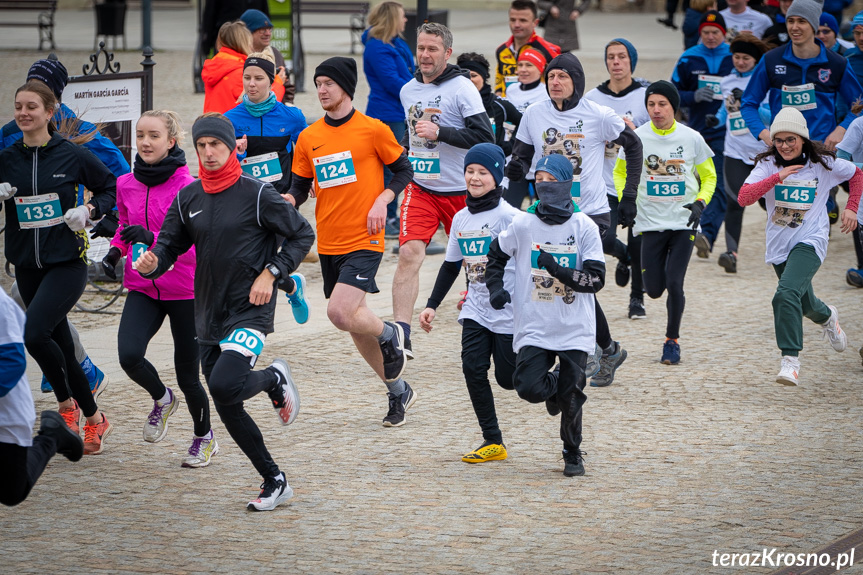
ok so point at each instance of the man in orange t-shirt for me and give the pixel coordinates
(343, 155)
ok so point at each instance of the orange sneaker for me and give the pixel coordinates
(72, 417)
(94, 436)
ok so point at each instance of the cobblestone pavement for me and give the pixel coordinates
(682, 460)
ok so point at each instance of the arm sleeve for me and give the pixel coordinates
(619, 175)
(299, 124)
(680, 78)
(855, 187)
(752, 98)
(13, 364)
(403, 173)
(589, 279)
(496, 266)
(632, 149)
(284, 220)
(722, 115)
(174, 241)
(477, 129)
(446, 276)
(122, 220)
(850, 90)
(300, 188)
(707, 172)
(842, 154)
(523, 153)
(99, 180)
(749, 193)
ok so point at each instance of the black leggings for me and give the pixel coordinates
(603, 332)
(631, 250)
(142, 318)
(736, 172)
(22, 467)
(478, 345)
(231, 380)
(665, 257)
(49, 294)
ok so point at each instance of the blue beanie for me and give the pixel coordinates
(490, 157)
(858, 20)
(255, 20)
(630, 49)
(556, 165)
(829, 21)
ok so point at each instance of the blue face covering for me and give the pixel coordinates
(261, 108)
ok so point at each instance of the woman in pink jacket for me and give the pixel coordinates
(143, 198)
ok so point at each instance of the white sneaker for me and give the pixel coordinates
(285, 397)
(833, 332)
(274, 492)
(156, 425)
(790, 370)
(201, 451)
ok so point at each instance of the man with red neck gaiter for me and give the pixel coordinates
(234, 220)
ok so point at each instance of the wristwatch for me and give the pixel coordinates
(92, 213)
(274, 270)
(437, 133)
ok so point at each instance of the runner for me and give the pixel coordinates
(578, 129)
(626, 97)
(261, 28)
(851, 149)
(486, 332)
(795, 176)
(559, 266)
(236, 271)
(47, 244)
(446, 117)
(739, 17)
(670, 202)
(344, 154)
(143, 198)
(522, 23)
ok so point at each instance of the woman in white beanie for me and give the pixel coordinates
(796, 175)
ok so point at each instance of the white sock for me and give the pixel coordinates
(208, 436)
(166, 399)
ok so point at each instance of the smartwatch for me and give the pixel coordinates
(274, 270)
(93, 213)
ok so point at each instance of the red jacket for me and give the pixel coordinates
(223, 81)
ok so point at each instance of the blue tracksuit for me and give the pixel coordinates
(692, 63)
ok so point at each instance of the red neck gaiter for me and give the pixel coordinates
(216, 181)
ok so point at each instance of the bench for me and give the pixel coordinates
(44, 21)
(356, 23)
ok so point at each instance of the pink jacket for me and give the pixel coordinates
(140, 205)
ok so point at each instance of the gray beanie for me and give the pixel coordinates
(218, 127)
(809, 10)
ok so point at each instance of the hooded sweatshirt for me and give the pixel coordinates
(223, 80)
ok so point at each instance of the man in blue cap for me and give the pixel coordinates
(261, 27)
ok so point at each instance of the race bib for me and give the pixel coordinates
(795, 194)
(474, 250)
(800, 97)
(713, 83)
(249, 342)
(138, 250)
(426, 165)
(265, 167)
(575, 188)
(736, 124)
(335, 170)
(41, 211)
(665, 188)
(546, 287)
(510, 80)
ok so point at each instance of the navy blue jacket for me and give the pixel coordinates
(692, 63)
(830, 73)
(388, 67)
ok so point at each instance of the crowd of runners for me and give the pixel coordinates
(529, 173)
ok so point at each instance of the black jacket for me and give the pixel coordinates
(57, 167)
(236, 234)
(501, 111)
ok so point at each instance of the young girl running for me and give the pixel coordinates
(670, 202)
(46, 241)
(486, 332)
(143, 199)
(795, 176)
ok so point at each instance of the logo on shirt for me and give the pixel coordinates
(824, 75)
(779, 69)
(678, 153)
(316, 147)
(570, 241)
(59, 175)
(578, 126)
(436, 102)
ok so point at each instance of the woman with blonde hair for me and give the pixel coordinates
(223, 73)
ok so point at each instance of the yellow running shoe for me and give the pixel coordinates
(486, 452)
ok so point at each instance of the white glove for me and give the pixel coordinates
(76, 218)
(7, 190)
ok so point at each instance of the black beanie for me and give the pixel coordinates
(744, 47)
(218, 127)
(343, 71)
(664, 88)
(475, 66)
(572, 66)
(268, 67)
(52, 73)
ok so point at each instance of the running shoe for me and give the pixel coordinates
(409, 352)
(853, 277)
(393, 351)
(72, 417)
(621, 274)
(156, 426)
(274, 492)
(667, 22)
(833, 332)
(284, 394)
(45, 386)
(670, 352)
(459, 305)
(702, 246)
(98, 383)
(728, 261)
(299, 303)
(68, 444)
(608, 366)
(789, 372)
(636, 308)
(488, 451)
(94, 436)
(398, 405)
(592, 366)
(201, 451)
(573, 462)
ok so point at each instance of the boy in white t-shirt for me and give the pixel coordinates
(559, 266)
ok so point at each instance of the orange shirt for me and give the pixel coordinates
(347, 163)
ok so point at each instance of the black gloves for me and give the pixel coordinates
(626, 212)
(499, 298)
(107, 226)
(546, 260)
(110, 261)
(737, 93)
(711, 121)
(697, 208)
(515, 171)
(137, 235)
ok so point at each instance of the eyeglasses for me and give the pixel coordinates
(786, 142)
